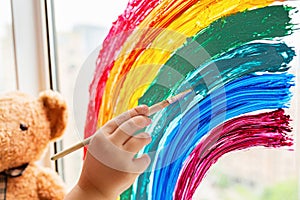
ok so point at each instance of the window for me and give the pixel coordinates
(80, 28)
(79, 34)
(66, 46)
(7, 63)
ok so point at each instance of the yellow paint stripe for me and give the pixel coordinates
(126, 89)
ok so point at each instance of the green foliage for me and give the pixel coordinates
(282, 191)
(232, 189)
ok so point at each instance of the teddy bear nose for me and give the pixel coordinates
(23, 127)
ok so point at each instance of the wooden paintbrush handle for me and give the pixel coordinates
(153, 109)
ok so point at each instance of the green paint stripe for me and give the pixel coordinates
(223, 34)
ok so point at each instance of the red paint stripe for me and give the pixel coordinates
(268, 129)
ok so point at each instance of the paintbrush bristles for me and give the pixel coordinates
(178, 96)
(159, 106)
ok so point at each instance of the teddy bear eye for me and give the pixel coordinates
(23, 127)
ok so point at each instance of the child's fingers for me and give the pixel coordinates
(141, 164)
(137, 142)
(107, 153)
(128, 128)
(114, 123)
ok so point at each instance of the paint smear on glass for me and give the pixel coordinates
(220, 36)
(176, 142)
(196, 51)
(229, 51)
(154, 53)
(244, 60)
(165, 15)
(269, 129)
(241, 61)
(135, 12)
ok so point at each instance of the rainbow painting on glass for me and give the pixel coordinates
(240, 58)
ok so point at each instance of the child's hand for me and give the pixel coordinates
(110, 166)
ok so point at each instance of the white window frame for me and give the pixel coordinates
(34, 50)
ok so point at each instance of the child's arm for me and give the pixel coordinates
(110, 166)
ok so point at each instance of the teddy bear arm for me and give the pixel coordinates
(50, 186)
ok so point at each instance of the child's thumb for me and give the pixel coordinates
(141, 163)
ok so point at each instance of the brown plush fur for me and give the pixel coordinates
(46, 118)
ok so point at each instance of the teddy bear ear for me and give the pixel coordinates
(56, 111)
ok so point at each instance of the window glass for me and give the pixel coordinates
(7, 64)
(81, 26)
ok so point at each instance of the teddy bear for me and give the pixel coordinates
(27, 125)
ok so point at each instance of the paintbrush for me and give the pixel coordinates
(153, 109)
